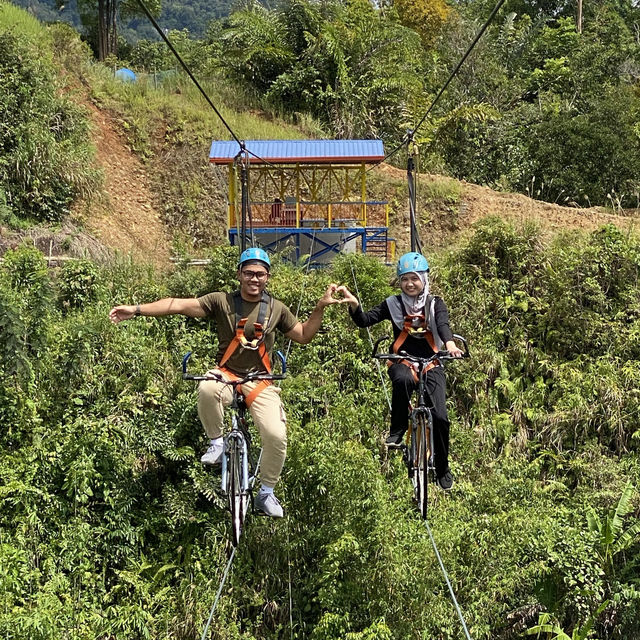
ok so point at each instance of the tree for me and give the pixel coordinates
(102, 19)
(424, 16)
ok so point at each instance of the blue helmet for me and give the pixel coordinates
(412, 263)
(253, 254)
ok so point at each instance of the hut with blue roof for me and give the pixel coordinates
(309, 193)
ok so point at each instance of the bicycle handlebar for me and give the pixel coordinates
(256, 375)
(403, 355)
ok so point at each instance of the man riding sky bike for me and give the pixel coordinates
(420, 328)
(246, 322)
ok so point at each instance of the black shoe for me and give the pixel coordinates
(445, 481)
(394, 440)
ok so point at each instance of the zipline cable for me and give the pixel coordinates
(164, 36)
(215, 602)
(446, 577)
(452, 75)
(313, 241)
(289, 568)
(416, 245)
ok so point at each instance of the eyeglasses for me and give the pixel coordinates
(250, 275)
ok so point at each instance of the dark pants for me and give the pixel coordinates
(404, 385)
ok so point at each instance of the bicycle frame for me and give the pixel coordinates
(422, 409)
(418, 454)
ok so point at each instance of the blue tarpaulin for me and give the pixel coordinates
(126, 75)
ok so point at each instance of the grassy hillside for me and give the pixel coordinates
(111, 529)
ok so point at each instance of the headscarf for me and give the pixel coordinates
(414, 305)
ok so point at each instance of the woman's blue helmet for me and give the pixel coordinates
(411, 263)
(253, 254)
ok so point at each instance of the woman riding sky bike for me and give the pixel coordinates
(420, 328)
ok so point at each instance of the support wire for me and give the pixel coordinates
(183, 64)
(386, 392)
(215, 602)
(289, 568)
(452, 75)
(446, 577)
(306, 272)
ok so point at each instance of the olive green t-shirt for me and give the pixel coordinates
(221, 307)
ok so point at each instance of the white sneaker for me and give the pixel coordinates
(213, 454)
(268, 504)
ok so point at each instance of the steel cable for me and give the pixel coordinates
(386, 392)
(452, 75)
(215, 602)
(446, 577)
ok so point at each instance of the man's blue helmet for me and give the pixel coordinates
(253, 254)
(412, 262)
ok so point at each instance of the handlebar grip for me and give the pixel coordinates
(184, 363)
(377, 344)
(283, 361)
(464, 344)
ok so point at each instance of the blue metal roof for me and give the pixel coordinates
(300, 151)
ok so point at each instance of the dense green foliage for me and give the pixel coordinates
(538, 108)
(110, 528)
(548, 111)
(45, 158)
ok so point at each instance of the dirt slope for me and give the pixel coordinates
(447, 223)
(125, 219)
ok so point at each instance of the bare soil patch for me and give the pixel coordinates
(447, 222)
(125, 218)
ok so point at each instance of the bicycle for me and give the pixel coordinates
(417, 453)
(239, 471)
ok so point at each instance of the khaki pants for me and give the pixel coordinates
(268, 416)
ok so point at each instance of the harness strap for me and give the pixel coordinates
(407, 329)
(240, 340)
(258, 389)
(252, 395)
(414, 373)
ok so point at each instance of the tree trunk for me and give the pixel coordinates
(113, 29)
(579, 18)
(107, 29)
(102, 45)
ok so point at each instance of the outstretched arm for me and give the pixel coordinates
(165, 307)
(303, 332)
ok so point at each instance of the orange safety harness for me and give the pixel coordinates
(240, 341)
(415, 326)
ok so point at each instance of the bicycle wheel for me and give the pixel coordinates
(421, 463)
(234, 489)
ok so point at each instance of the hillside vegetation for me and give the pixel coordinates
(543, 106)
(111, 529)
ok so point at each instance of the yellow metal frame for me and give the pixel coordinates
(325, 186)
